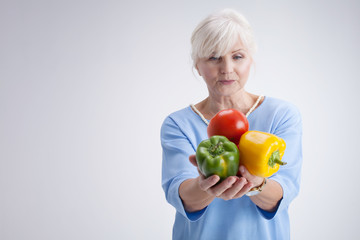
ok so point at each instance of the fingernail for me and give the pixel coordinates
(242, 169)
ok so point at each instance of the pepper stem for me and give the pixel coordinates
(275, 159)
(216, 149)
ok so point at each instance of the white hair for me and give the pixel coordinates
(218, 33)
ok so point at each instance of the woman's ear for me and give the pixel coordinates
(197, 69)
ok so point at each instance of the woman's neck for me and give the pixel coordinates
(212, 105)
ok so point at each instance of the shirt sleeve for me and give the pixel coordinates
(289, 128)
(176, 166)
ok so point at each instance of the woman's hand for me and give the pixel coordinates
(232, 187)
(197, 193)
(254, 180)
(270, 196)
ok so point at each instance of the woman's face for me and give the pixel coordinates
(227, 74)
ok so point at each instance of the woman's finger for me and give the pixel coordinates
(255, 180)
(206, 183)
(223, 186)
(246, 188)
(235, 190)
(192, 159)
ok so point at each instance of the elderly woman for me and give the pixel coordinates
(243, 206)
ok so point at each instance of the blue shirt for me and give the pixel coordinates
(181, 133)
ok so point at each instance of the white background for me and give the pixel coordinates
(85, 86)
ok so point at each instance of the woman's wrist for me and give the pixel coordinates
(260, 183)
(257, 189)
(193, 197)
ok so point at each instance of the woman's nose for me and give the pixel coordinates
(226, 66)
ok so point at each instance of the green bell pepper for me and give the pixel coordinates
(218, 156)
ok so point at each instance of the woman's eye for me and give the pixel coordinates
(213, 58)
(238, 57)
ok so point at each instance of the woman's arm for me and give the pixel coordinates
(193, 197)
(269, 197)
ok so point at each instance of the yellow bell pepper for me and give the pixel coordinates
(261, 152)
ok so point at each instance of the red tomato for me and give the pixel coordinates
(229, 123)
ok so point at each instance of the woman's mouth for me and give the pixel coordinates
(226, 82)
